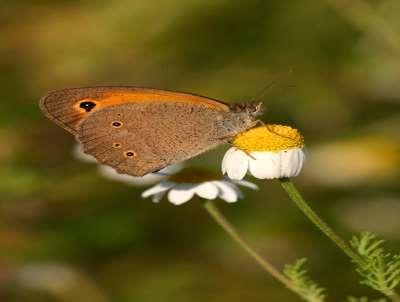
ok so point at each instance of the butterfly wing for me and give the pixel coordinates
(137, 138)
(69, 107)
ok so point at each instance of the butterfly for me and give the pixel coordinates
(141, 130)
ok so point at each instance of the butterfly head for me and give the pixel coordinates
(241, 117)
(252, 109)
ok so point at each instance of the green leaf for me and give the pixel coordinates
(381, 270)
(306, 287)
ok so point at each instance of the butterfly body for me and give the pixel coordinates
(140, 130)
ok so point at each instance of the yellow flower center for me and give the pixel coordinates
(193, 175)
(269, 138)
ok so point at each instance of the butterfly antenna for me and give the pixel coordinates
(263, 92)
(267, 87)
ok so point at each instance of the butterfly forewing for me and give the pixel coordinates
(68, 107)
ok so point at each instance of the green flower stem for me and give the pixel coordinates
(296, 197)
(232, 232)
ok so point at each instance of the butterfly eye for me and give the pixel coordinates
(87, 106)
(116, 124)
(130, 153)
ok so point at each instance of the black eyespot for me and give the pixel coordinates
(116, 145)
(88, 106)
(116, 124)
(129, 153)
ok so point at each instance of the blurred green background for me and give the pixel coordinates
(68, 234)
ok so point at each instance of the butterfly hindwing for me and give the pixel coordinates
(139, 138)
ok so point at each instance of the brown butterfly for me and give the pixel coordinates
(141, 130)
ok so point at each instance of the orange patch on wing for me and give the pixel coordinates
(144, 95)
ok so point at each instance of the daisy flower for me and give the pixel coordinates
(110, 173)
(184, 185)
(266, 152)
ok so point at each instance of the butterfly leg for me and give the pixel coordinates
(249, 155)
(227, 139)
(259, 123)
(245, 151)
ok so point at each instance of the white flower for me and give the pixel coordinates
(271, 151)
(181, 192)
(111, 173)
(148, 179)
(263, 164)
(78, 153)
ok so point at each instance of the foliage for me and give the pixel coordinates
(343, 94)
(306, 287)
(381, 270)
(363, 299)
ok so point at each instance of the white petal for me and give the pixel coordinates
(227, 154)
(158, 188)
(269, 165)
(226, 191)
(238, 191)
(169, 170)
(299, 164)
(157, 197)
(181, 193)
(236, 188)
(145, 180)
(303, 157)
(236, 164)
(266, 165)
(111, 173)
(207, 190)
(287, 160)
(247, 184)
(291, 162)
(79, 154)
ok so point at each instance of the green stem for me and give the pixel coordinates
(232, 232)
(296, 197)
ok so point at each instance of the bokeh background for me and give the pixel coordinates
(69, 234)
